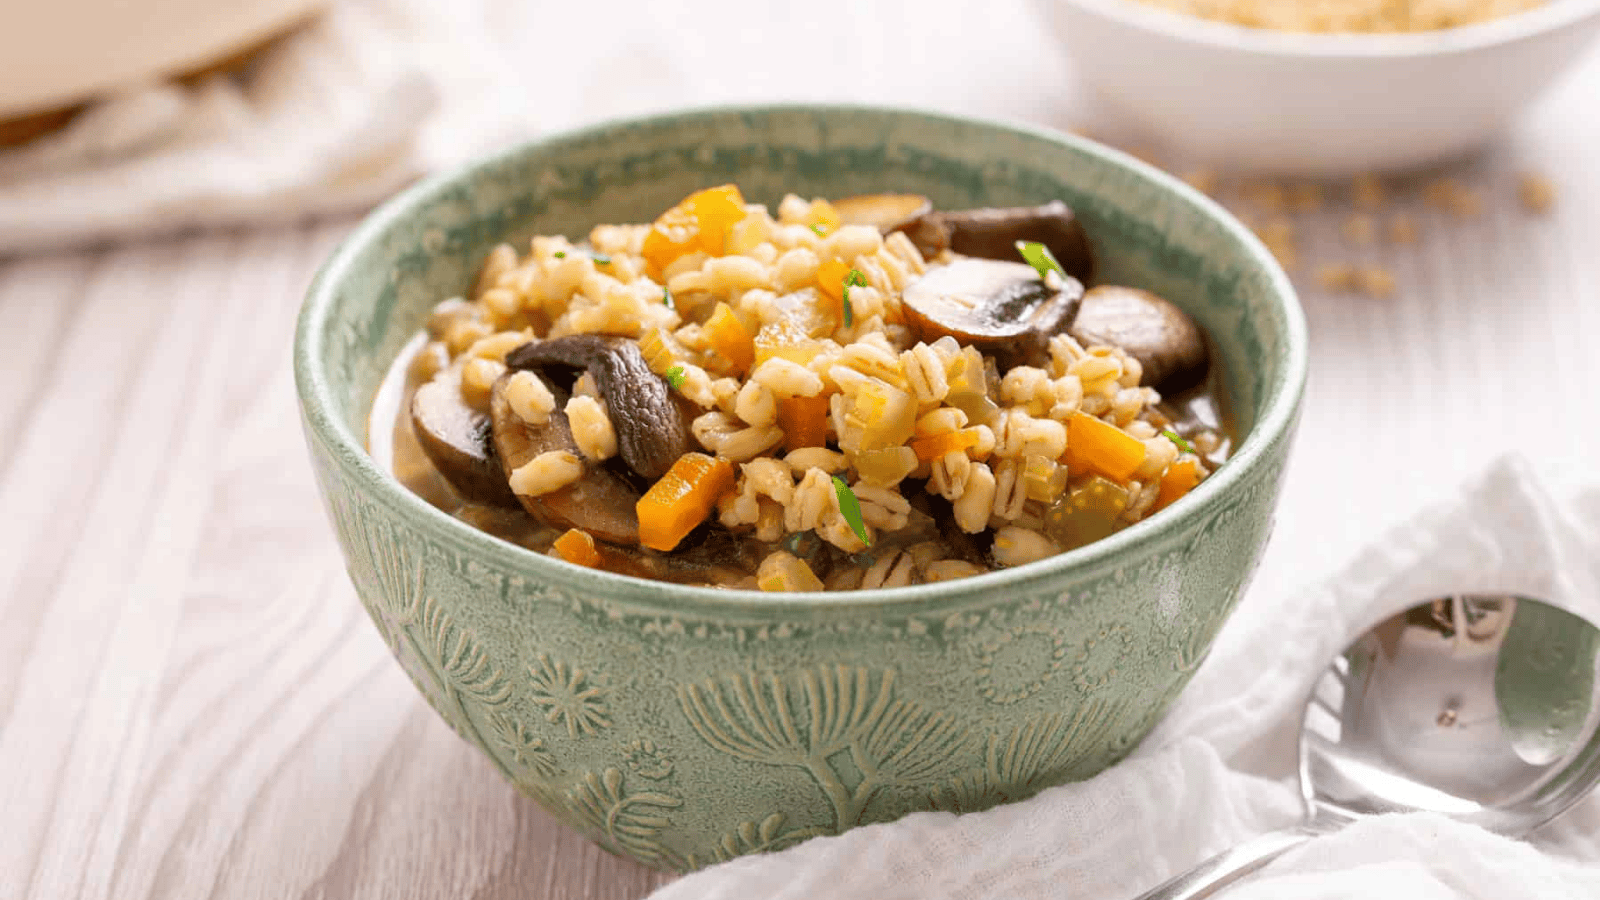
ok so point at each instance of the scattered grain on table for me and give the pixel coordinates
(1536, 192)
(1337, 276)
(1449, 195)
(1367, 193)
(1265, 195)
(1203, 180)
(1373, 211)
(1403, 229)
(1305, 197)
(1375, 281)
(1360, 229)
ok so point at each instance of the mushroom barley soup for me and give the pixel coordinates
(851, 394)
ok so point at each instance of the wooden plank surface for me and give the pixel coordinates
(193, 705)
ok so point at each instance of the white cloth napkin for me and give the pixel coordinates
(1217, 771)
(370, 95)
(375, 93)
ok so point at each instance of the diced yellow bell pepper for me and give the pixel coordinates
(886, 415)
(656, 346)
(824, 219)
(802, 321)
(785, 572)
(884, 468)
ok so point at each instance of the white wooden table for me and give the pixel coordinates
(191, 701)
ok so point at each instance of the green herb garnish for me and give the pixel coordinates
(600, 259)
(561, 254)
(676, 377)
(850, 507)
(1042, 260)
(666, 299)
(820, 229)
(855, 279)
(1177, 438)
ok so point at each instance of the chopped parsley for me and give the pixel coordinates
(855, 279)
(676, 377)
(666, 299)
(600, 259)
(1042, 260)
(850, 508)
(561, 254)
(820, 229)
(1177, 438)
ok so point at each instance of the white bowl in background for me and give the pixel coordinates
(59, 53)
(1318, 104)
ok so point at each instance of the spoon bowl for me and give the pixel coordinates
(1479, 707)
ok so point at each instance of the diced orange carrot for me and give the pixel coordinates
(577, 547)
(937, 445)
(1095, 446)
(674, 234)
(725, 334)
(700, 222)
(1180, 479)
(804, 421)
(830, 280)
(831, 276)
(717, 210)
(682, 499)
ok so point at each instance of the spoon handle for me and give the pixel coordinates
(1205, 879)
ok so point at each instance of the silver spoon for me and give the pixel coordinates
(1482, 708)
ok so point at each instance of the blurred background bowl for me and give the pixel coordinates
(57, 54)
(1318, 104)
(682, 725)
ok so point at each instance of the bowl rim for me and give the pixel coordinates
(1274, 424)
(1525, 25)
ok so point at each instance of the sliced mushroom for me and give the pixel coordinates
(456, 438)
(993, 232)
(650, 431)
(886, 212)
(1168, 344)
(711, 555)
(1000, 307)
(601, 502)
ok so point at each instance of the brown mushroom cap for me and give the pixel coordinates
(456, 439)
(1168, 344)
(651, 435)
(886, 212)
(999, 307)
(601, 502)
(993, 233)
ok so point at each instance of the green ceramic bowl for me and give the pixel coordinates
(684, 726)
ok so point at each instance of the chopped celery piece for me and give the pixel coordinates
(1087, 513)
